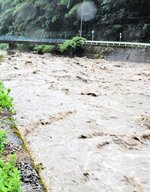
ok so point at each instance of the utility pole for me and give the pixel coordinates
(81, 22)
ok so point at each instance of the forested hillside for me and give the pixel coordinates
(58, 18)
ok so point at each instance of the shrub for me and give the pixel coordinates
(44, 48)
(4, 46)
(5, 99)
(38, 48)
(9, 173)
(9, 176)
(49, 48)
(74, 45)
(3, 140)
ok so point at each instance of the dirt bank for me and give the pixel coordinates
(87, 122)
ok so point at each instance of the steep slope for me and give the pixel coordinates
(47, 18)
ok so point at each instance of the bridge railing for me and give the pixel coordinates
(27, 39)
(14, 39)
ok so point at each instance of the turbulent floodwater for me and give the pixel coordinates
(86, 121)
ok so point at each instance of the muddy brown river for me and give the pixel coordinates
(85, 121)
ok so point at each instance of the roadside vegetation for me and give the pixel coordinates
(10, 179)
(45, 48)
(75, 45)
(4, 46)
(72, 47)
(6, 101)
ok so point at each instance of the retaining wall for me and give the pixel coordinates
(131, 54)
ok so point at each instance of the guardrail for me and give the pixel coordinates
(116, 43)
